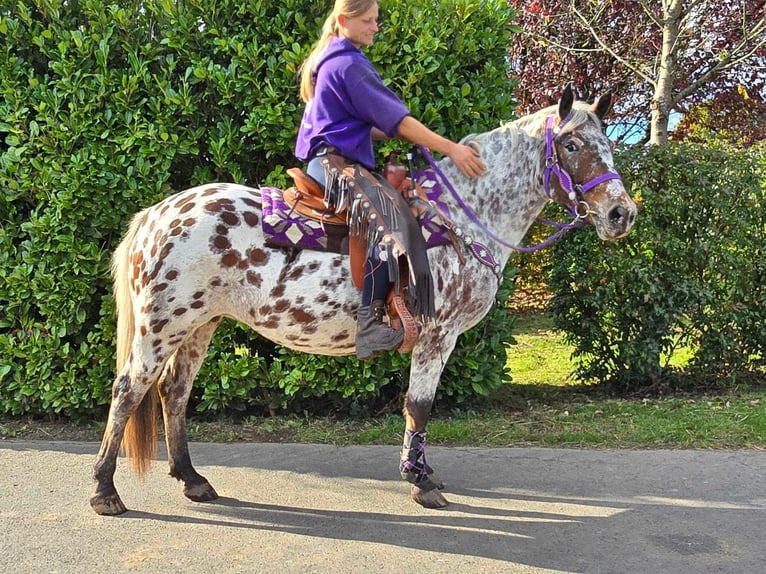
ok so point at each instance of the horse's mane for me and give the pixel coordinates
(534, 124)
(581, 113)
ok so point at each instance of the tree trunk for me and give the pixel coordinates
(662, 100)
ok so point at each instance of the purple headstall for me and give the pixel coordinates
(552, 167)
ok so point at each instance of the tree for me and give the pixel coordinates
(659, 57)
(734, 118)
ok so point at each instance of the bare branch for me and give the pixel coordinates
(730, 60)
(650, 9)
(605, 47)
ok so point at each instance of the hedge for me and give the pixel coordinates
(106, 108)
(685, 292)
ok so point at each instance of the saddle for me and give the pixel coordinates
(335, 220)
(374, 211)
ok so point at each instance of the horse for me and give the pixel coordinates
(200, 255)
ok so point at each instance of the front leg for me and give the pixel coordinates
(413, 466)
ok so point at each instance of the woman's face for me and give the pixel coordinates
(360, 30)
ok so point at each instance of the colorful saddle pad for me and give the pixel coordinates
(284, 227)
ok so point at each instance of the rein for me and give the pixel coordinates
(472, 216)
(551, 167)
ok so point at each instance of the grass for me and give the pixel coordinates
(540, 356)
(544, 418)
(542, 407)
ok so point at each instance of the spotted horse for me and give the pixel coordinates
(200, 255)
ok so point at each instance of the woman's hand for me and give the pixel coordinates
(468, 160)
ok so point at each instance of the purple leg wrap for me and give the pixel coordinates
(412, 465)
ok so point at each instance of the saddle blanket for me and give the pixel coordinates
(284, 227)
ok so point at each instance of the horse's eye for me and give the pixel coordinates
(570, 147)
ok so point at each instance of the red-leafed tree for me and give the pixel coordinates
(733, 117)
(657, 57)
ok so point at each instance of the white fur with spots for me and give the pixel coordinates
(200, 255)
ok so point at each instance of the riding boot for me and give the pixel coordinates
(373, 336)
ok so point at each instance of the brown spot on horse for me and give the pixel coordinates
(306, 299)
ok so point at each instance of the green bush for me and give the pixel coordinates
(689, 277)
(108, 107)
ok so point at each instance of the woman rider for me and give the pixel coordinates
(347, 107)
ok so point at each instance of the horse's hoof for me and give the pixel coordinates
(430, 499)
(107, 505)
(201, 492)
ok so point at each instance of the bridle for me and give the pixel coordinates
(575, 191)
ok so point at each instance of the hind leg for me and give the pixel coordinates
(128, 390)
(427, 364)
(175, 387)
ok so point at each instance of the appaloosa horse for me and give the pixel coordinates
(200, 255)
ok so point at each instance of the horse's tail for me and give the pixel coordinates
(140, 438)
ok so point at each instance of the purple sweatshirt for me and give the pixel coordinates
(349, 99)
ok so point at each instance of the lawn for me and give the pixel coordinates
(540, 355)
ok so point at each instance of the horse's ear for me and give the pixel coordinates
(602, 106)
(566, 101)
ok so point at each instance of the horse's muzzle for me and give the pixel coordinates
(620, 220)
(615, 221)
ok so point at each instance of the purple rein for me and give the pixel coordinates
(551, 167)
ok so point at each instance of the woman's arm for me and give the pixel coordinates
(466, 158)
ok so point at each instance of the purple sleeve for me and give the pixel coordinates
(373, 101)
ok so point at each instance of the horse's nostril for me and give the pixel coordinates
(617, 213)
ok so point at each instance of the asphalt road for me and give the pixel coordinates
(315, 508)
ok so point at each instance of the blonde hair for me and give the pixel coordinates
(330, 29)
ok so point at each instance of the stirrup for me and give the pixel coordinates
(403, 317)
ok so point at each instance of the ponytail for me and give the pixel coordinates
(330, 29)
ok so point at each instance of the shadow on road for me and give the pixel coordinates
(565, 510)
